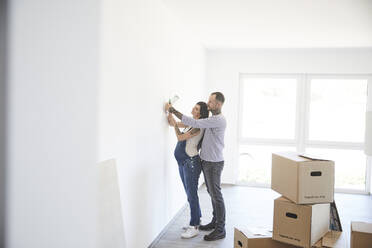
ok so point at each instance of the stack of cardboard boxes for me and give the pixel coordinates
(302, 213)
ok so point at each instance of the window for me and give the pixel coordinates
(255, 163)
(350, 166)
(269, 107)
(337, 109)
(316, 114)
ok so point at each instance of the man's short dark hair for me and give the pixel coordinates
(219, 96)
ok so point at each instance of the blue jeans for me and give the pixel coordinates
(190, 170)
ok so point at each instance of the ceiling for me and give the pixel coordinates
(277, 23)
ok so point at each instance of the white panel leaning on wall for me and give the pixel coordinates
(110, 221)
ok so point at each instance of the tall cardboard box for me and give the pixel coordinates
(361, 235)
(256, 238)
(303, 180)
(300, 225)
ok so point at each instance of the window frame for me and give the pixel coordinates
(301, 138)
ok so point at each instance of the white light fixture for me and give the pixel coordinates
(173, 99)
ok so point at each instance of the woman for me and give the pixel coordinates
(189, 166)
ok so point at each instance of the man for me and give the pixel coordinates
(212, 160)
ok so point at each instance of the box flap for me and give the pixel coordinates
(332, 239)
(313, 157)
(294, 156)
(261, 232)
(363, 227)
(318, 244)
(319, 221)
(255, 232)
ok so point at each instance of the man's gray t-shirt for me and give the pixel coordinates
(213, 141)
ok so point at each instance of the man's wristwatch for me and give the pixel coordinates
(171, 110)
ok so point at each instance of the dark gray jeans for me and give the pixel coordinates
(212, 175)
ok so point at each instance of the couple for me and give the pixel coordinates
(209, 131)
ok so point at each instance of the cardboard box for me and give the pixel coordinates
(303, 180)
(361, 235)
(300, 225)
(256, 238)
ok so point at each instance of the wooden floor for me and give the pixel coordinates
(253, 207)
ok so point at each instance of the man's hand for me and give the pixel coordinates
(167, 106)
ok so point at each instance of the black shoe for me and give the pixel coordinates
(215, 235)
(208, 227)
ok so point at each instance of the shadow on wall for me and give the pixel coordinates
(3, 59)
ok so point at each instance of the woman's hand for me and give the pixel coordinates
(171, 120)
(167, 106)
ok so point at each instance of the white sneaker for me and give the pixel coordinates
(191, 232)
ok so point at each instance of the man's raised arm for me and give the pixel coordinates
(210, 122)
(175, 112)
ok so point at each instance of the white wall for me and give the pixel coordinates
(147, 55)
(52, 93)
(3, 60)
(272, 23)
(224, 67)
(369, 124)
